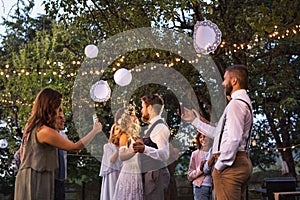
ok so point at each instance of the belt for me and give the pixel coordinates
(239, 153)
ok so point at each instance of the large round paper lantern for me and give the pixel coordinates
(207, 37)
(91, 51)
(122, 77)
(100, 91)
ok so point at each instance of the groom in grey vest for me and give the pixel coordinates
(154, 149)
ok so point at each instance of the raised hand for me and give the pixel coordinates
(97, 126)
(188, 115)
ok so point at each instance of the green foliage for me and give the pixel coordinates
(8, 131)
(48, 51)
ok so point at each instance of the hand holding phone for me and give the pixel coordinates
(95, 118)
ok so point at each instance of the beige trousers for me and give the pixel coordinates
(231, 183)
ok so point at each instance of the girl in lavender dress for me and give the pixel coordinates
(110, 165)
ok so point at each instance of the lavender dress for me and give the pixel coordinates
(109, 172)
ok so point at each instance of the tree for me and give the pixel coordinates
(48, 59)
(264, 37)
(254, 33)
(46, 55)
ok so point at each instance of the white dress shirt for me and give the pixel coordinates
(159, 135)
(238, 121)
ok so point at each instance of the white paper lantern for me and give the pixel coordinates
(122, 77)
(100, 91)
(3, 143)
(91, 51)
(207, 37)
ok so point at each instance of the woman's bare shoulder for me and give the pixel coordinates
(45, 128)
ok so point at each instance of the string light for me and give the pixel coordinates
(275, 35)
(8, 72)
(277, 149)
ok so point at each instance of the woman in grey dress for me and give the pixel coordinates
(38, 152)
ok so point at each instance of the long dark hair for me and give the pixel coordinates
(43, 111)
(197, 138)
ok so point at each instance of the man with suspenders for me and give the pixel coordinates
(154, 149)
(233, 167)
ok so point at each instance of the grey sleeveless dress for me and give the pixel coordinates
(35, 178)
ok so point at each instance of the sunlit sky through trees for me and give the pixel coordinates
(8, 7)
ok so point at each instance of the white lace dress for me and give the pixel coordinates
(129, 185)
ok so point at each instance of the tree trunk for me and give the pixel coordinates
(287, 156)
(283, 146)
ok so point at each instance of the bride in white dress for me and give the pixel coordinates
(129, 185)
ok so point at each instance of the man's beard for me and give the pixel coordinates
(228, 89)
(145, 118)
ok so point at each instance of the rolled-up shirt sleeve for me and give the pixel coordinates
(204, 128)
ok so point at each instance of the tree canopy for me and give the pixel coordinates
(48, 51)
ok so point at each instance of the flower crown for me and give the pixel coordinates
(130, 109)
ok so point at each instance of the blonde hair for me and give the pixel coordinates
(131, 128)
(126, 125)
(114, 136)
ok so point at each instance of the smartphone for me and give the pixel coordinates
(94, 118)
